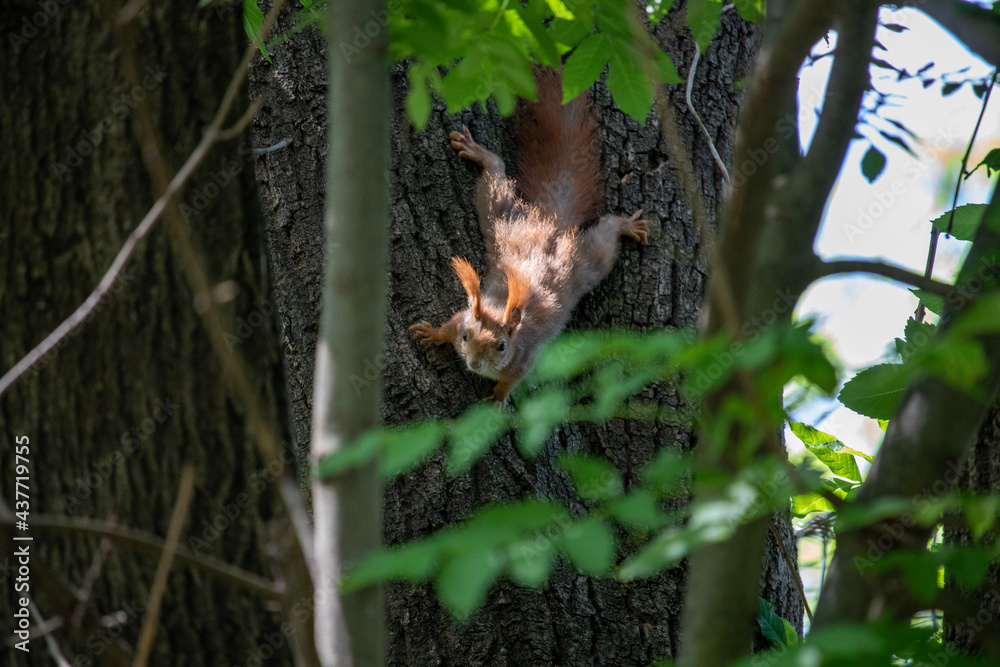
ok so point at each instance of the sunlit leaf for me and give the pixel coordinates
(965, 223)
(877, 391)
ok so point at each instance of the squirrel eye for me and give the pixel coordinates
(465, 336)
(502, 346)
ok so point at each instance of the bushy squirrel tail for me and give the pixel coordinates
(559, 154)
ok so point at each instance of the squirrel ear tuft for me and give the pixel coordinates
(470, 281)
(517, 295)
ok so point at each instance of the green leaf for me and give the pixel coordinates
(408, 448)
(991, 162)
(703, 19)
(594, 478)
(827, 449)
(916, 337)
(949, 88)
(559, 10)
(750, 10)
(666, 68)
(932, 302)
(966, 222)
(630, 87)
(664, 472)
(473, 434)
(872, 164)
(539, 415)
(899, 141)
(530, 562)
(253, 24)
(464, 580)
(589, 545)
(638, 509)
(411, 562)
(584, 65)
(810, 502)
(877, 391)
(981, 514)
(568, 33)
(354, 455)
(418, 98)
(839, 463)
(774, 627)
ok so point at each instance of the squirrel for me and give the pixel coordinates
(546, 247)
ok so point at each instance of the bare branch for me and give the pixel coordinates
(935, 232)
(177, 520)
(897, 273)
(149, 543)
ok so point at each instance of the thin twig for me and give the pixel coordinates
(92, 575)
(935, 232)
(185, 491)
(131, 10)
(694, 112)
(237, 128)
(149, 543)
(897, 273)
(50, 642)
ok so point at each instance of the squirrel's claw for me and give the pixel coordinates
(635, 228)
(467, 146)
(424, 333)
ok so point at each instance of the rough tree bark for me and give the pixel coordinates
(971, 625)
(114, 414)
(576, 620)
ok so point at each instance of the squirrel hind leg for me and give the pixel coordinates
(468, 148)
(632, 226)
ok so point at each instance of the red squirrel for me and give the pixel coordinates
(545, 245)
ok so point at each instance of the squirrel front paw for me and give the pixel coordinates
(424, 333)
(467, 146)
(635, 228)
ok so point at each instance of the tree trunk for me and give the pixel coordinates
(576, 620)
(136, 392)
(972, 626)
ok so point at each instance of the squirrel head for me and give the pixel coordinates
(488, 333)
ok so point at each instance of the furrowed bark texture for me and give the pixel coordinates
(136, 392)
(576, 620)
(973, 626)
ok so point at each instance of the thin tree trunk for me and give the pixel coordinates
(348, 510)
(114, 413)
